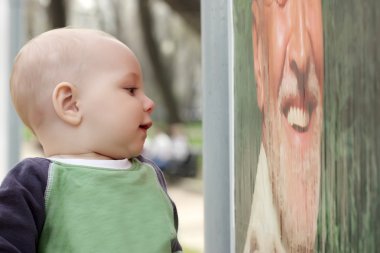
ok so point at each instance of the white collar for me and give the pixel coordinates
(107, 164)
(264, 225)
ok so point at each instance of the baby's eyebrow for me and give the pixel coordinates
(132, 76)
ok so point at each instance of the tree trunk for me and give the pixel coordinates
(163, 76)
(189, 10)
(57, 13)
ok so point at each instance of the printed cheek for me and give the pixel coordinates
(277, 46)
(315, 29)
(317, 52)
(276, 65)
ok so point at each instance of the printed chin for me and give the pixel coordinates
(299, 220)
(299, 195)
(292, 143)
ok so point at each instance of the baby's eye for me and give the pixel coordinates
(131, 91)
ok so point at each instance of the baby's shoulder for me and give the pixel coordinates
(158, 172)
(30, 170)
(33, 164)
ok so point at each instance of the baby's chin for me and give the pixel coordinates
(118, 155)
(123, 152)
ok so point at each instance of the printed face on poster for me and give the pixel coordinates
(306, 139)
(287, 42)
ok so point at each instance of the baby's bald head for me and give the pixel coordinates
(51, 58)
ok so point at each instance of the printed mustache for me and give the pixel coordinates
(298, 98)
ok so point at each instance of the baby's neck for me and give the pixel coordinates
(86, 156)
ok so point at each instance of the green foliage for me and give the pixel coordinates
(27, 134)
(189, 250)
(194, 134)
(350, 173)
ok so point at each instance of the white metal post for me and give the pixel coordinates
(217, 132)
(11, 30)
(4, 73)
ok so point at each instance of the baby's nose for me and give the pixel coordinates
(148, 105)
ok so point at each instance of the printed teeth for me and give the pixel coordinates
(298, 118)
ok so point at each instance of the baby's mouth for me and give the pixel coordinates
(146, 126)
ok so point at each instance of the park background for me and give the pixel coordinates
(204, 80)
(165, 36)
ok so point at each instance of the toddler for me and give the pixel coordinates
(81, 93)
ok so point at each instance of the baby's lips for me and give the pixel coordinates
(146, 126)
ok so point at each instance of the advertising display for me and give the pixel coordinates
(306, 118)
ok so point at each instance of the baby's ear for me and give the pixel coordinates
(65, 103)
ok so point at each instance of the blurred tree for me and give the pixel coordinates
(162, 74)
(189, 10)
(57, 13)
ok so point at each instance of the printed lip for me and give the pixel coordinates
(298, 111)
(298, 116)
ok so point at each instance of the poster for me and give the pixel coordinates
(306, 139)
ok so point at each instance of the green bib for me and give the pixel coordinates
(91, 210)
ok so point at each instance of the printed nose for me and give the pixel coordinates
(148, 105)
(299, 44)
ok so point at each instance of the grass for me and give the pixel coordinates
(188, 250)
(194, 134)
